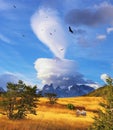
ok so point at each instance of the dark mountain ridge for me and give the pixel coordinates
(67, 91)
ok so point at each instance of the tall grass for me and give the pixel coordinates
(44, 124)
(55, 117)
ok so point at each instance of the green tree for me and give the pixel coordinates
(104, 120)
(19, 100)
(52, 97)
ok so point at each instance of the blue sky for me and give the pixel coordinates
(35, 40)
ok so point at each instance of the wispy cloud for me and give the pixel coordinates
(109, 30)
(101, 37)
(13, 77)
(83, 41)
(48, 27)
(7, 77)
(4, 39)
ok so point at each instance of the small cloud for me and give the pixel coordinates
(4, 39)
(104, 77)
(101, 37)
(94, 85)
(109, 30)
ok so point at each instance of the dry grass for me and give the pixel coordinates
(55, 117)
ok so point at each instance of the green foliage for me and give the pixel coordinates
(52, 97)
(70, 106)
(19, 100)
(104, 120)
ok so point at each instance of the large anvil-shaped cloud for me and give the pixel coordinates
(48, 27)
(59, 72)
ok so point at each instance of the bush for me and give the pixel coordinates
(52, 97)
(70, 106)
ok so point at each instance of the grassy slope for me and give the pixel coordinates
(100, 92)
(56, 117)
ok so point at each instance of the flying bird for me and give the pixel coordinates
(70, 29)
(23, 35)
(14, 6)
(50, 33)
(62, 49)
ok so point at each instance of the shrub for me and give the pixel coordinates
(52, 97)
(70, 106)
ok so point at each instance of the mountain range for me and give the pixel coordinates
(2, 90)
(67, 91)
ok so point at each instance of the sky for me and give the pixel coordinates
(37, 47)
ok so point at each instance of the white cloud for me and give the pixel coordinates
(48, 27)
(94, 85)
(101, 37)
(59, 72)
(4, 38)
(109, 30)
(104, 77)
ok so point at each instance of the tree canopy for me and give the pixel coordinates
(19, 100)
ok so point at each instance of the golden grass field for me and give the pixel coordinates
(57, 116)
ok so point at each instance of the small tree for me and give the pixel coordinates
(104, 121)
(19, 100)
(52, 97)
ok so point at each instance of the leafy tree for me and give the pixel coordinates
(52, 97)
(104, 120)
(19, 100)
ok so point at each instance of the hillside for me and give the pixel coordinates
(100, 92)
(56, 117)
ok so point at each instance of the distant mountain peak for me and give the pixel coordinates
(2, 90)
(68, 91)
